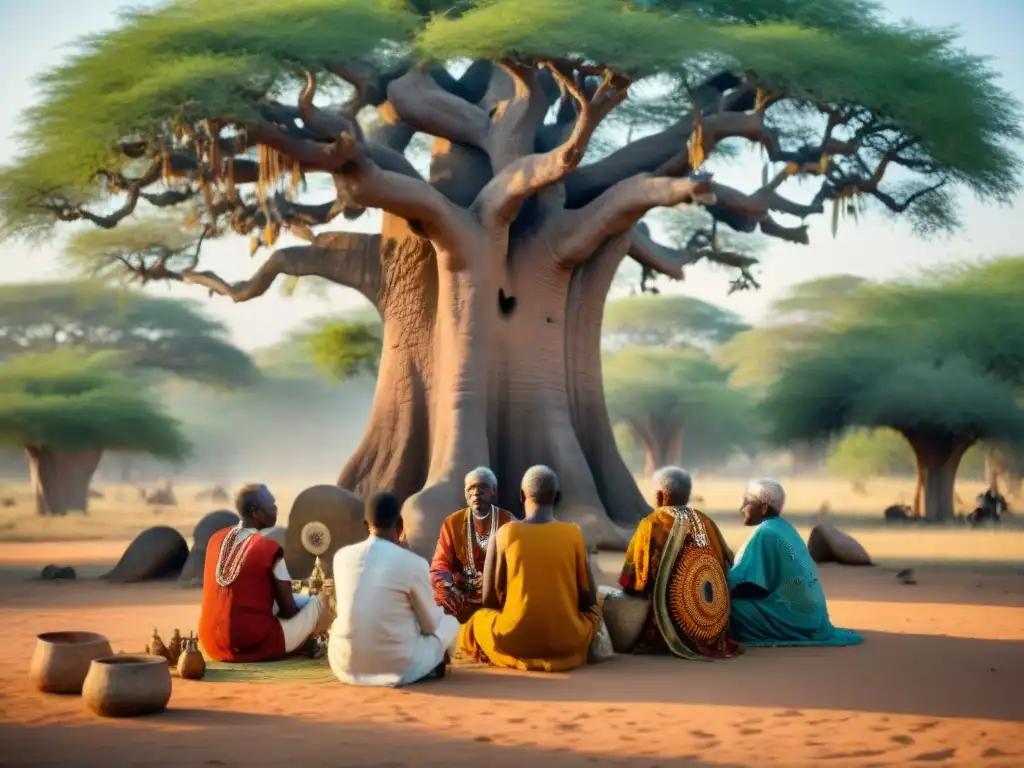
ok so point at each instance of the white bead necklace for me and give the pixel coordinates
(472, 535)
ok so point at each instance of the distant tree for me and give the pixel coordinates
(865, 453)
(669, 321)
(150, 333)
(938, 361)
(672, 399)
(64, 409)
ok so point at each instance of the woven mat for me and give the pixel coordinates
(297, 669)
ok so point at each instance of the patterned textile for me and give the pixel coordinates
(794, 612)
(456, 587)
(689, 600)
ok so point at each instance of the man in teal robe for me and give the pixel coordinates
(777, 598)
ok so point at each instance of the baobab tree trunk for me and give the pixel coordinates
(60, 480)
(938, 458)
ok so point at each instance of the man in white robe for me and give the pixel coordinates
(388, 630)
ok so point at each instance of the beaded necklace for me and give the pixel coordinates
(232, 555)
(473, 537)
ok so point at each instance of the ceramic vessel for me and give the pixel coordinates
(128, 685)
(61, 660)
(624, 615)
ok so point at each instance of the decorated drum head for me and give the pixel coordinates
(691, 594)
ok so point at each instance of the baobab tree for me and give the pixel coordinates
(490, 273)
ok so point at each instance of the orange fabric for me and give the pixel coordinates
(540, 625)
(643, 556)
(447, 568)
(237, 623)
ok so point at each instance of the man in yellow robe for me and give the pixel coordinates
(679, 560)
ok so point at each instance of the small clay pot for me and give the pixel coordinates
(624, 615)
(128, 685)
(61, 660)
(191, 664)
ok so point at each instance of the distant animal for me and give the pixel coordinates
(163, 496)
(217, 493)
(991, 506)
(898, 513)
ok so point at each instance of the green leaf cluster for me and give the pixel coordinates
(69, 401)
(665, 320)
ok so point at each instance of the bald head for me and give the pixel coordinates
(540, 486)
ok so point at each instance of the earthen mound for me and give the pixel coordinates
(827, 544)
(340, 510)
(156, 553)
(192, 573)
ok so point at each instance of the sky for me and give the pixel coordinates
(35, 35)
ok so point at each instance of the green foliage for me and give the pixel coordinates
(667, 387)
(793, 322)
(345, 349)
(188, 60)
(68, 401)
(670, 321)
(938, 358)
(101, 253)
(155, 334)
(866, 453)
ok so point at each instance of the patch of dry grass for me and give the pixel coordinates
(120, 515)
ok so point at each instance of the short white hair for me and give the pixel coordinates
(481, 475)
(540, 484)
(675, 482)
(766, 491)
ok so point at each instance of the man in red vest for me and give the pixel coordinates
(245, 576)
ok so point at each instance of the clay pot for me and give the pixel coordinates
(624, 615)
(128, 685)
(61, 660)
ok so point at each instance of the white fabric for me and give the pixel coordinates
(299, 627)
(388, 631)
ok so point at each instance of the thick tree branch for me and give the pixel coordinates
(427, 107)
(665, 260)
(501, 199)
(575, 235)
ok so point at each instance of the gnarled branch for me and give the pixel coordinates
(427, 107)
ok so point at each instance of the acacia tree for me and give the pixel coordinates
(64, 409)
(936, 361)
(678, 405)
(669, 321)
(490, 274)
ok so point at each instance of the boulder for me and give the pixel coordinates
(53, 572)
(192, 573)
(827, 544)
(897, 513)
(341, 511)
(156, 553)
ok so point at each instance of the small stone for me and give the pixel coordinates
(57, 573)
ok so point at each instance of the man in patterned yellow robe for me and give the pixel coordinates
(456, 570)
(644, 561)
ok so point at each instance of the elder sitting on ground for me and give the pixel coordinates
(777, 597)
(675, 546)
(245, 577)
(539, 597)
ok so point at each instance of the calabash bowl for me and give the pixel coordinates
(127, 685)
(61, 660)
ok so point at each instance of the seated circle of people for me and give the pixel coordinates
(456, 571)
(539, 596)
(678, 560)
(248, 612)
(777, 597)
(388, 630)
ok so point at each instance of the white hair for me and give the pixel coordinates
(540, 484)
(768, 492)
(483, 475)
(674, 482)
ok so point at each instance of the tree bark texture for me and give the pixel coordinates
(938, 458)
(60, 480)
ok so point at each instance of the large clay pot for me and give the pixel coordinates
(61, 660)
(127, 685)
(624, 615)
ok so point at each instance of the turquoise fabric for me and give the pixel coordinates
(794, 612)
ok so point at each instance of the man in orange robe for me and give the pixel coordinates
(245, 577)
(456, 571)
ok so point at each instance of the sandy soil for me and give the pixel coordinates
(939, 681)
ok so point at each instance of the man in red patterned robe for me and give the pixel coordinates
(245, 577)
(456, 571)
